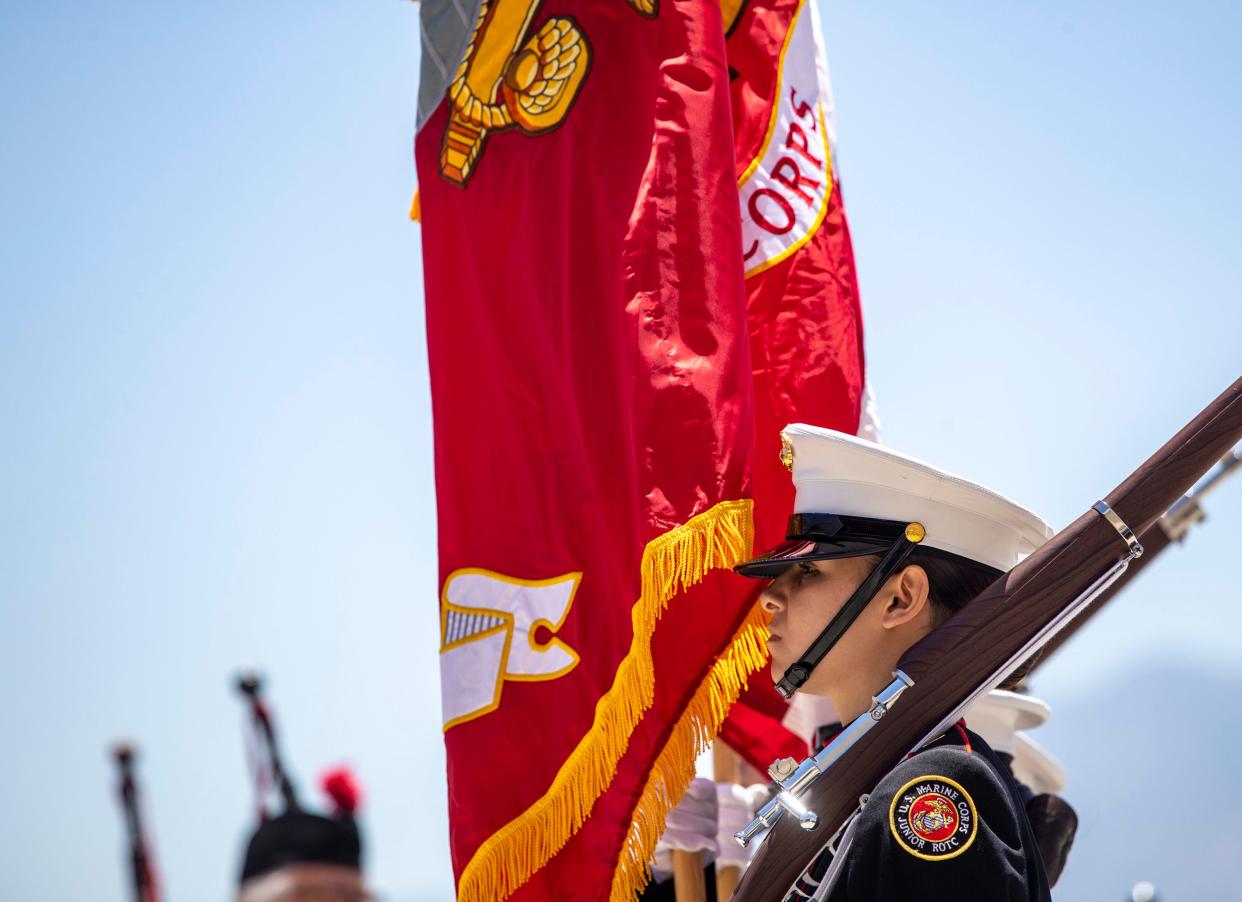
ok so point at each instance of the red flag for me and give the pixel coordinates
(804, 315)
(591, 388)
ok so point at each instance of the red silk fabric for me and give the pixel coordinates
(591, 390)
(805, 329)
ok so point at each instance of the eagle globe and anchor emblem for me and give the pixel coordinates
(932, 817)
(511, 78)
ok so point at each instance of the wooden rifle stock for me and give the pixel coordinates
(1171, 527)
(1155, 540)
(990, 637)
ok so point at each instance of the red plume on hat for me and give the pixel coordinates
(342, 787)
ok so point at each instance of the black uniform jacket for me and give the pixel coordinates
(948, 823)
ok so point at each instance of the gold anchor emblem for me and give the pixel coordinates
(508, 80)
(787, 452)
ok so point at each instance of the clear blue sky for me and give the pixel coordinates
(216, 436)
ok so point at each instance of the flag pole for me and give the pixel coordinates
(689, 884)
(726, 768)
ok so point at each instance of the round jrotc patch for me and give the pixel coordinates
(933, 818)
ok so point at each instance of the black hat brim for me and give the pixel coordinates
(776, 561)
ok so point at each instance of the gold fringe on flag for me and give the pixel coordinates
(716, 539)
(674, 767)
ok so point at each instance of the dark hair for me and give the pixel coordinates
(953, 582)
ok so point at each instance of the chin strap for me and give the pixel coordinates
(799, 671)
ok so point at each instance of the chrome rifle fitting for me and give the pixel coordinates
(795, 778)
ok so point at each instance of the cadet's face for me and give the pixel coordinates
(307, 883)
(801, 601)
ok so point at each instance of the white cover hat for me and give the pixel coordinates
(1001, 717)
(1000, 714)
(1035, 767)
(848, 477)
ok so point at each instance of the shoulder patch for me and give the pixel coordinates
(933, 818)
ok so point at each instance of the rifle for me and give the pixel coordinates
(1169, 529)
(975, 650)
(142, 871)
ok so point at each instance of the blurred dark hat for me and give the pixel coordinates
(299, 837)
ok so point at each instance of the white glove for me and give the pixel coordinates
(736, 806)
(691, 827)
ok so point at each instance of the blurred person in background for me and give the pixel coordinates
(297, 855)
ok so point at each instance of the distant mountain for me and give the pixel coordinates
(1153, 761)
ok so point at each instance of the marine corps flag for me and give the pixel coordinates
(802, 292)
(591, 388)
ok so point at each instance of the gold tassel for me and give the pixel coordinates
(674, 767)
(718, 538)
(416, 208)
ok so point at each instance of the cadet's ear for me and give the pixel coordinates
(906, 596)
